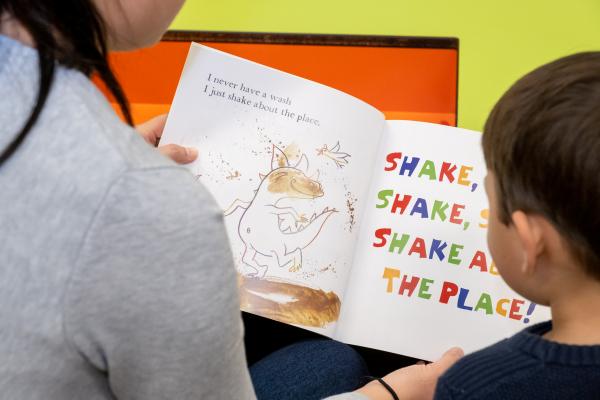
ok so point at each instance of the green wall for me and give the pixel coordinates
(499, 40)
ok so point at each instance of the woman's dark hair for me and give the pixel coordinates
(542, 142)
(69, 32)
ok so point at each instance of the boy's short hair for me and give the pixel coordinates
(542, 142)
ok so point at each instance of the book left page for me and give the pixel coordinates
(289, 162)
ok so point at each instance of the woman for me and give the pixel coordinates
(115, 279)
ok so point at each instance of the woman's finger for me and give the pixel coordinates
(152, 129)
(179, 154)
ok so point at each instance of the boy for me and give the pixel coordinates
(542, 148)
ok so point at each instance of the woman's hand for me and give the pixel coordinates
(152, 130)
(416, 382)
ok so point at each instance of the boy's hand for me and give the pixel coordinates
(152, 130)
(416, 382)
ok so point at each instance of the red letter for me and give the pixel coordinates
(515, 307)
(449, 289)
(447, 171)
(381, 234)
(391, 158)
(402, 204)
(408, 285)
(456, 209)
(418, 246)
(479, 260)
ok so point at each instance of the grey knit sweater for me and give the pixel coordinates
(116, 280)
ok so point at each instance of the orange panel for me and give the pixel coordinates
(405, 83)
(389, 78)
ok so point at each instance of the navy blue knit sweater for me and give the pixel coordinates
(525, 366)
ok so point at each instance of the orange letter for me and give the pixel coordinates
(390, 274)
(493, 269)
(499, 309)
(463, 175)
(485, 216)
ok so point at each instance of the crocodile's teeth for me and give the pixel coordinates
(313, 217)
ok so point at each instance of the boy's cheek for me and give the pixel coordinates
(499, 244)
(493, 245)
(504, 248)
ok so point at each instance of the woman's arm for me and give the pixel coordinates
(153, 301)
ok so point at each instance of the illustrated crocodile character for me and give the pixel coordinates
(272, 231)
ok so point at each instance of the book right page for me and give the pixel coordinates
(422, 279)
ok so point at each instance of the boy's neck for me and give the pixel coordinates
(575, 319)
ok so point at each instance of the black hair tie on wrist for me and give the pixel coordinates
(385, 385)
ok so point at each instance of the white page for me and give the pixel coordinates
(413, 325)
(236, 143)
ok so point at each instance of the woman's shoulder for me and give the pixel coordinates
(81, 160)
(76, 118)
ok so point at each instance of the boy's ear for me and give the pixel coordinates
(530, 232)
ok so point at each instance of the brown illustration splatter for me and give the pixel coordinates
(329, 267)
(288, 302)
(351, 207)
(233, 175)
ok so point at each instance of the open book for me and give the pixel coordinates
(369, 231)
